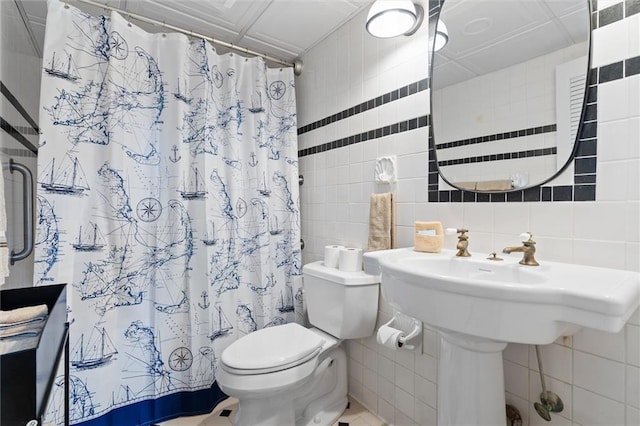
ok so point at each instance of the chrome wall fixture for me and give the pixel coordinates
(27, 212)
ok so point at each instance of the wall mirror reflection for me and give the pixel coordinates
(508, 90)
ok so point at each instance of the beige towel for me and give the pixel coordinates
(382, 222)
(494, 185)
(428, 243)
(469, 186)
(21, 316)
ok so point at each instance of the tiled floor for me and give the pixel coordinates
(223, 414)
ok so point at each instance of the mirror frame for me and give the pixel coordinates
(435, 8)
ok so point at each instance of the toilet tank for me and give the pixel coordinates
(344, 304)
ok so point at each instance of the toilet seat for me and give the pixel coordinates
(272, 349)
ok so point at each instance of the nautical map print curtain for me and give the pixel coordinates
(168, 202)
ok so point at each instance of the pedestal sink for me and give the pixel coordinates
(479, 305)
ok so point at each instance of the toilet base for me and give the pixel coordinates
(328, 416)
(318, 402)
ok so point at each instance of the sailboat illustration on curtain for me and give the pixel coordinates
(286, 303)
(97, 352)
(90, 241)
(180, 95)
(194, 189)
(210, 237)
(264, 190)
(220, 325)
(274, 229)
(62, 69)
(67, 178)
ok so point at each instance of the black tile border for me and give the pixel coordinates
(499, 157)
(499, 136)
(611, 14)
(18, 106)
(394, 95)
(15, 133)
(19, 132)
(392, 129)
(614, 13)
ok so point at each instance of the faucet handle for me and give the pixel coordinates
(463, 241)
(528, 237)
(452, 231)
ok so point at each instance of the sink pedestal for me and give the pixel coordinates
(470, 381)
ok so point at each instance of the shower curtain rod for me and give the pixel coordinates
(297, 64)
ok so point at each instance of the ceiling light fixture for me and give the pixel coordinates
(391, 18)
(442, 36)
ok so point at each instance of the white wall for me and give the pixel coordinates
(596, 374)
(20, 70)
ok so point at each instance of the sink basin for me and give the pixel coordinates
(480, 305)
(503, 300)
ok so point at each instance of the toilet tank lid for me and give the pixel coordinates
(318, 270)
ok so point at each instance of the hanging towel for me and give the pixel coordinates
(381, 222)
(4, 249)
(494, 185)
(22, 316)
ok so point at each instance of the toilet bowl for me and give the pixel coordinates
(292, 375)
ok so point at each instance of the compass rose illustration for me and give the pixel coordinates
(149, 209)
(180, 359)
(118, 47)
(277, 89)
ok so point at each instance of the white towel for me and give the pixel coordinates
(19, 331)
(22, 316)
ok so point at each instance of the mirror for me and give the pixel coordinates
(508, 91)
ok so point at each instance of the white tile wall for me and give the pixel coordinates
(20, 73)
(596, 374)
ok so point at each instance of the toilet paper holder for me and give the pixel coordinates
(411, 330)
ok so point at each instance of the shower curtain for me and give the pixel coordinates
(168, 202)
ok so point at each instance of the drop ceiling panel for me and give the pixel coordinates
(450, 73)
(165, 12)
(576, 26)
(504, 23)
(297, 25)
(538, 42)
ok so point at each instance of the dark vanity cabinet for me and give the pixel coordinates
(27, 376)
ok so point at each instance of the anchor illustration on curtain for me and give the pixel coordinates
(168, 202)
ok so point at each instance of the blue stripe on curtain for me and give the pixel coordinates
(168, 407)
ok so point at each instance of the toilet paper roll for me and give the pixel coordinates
(350, 259)
(389, 337)
(331, 255)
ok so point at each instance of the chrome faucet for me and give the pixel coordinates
(463, 241)
(528, 248)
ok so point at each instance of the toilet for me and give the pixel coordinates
(292, 375)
